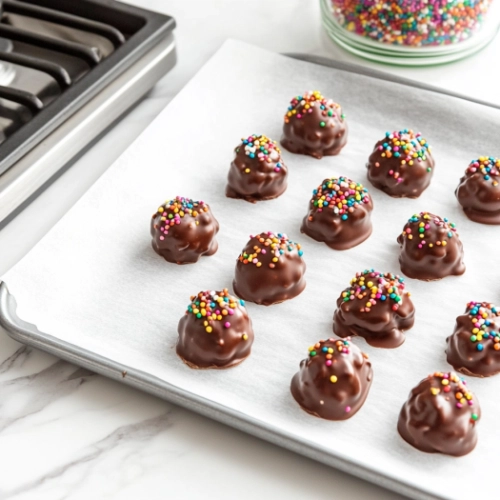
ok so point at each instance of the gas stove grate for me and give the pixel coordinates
(51, 37)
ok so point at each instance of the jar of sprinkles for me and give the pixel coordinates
(380, 29)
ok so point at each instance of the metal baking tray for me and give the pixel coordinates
(29, 334)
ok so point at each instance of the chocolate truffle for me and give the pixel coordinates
(215, 331)
(339, 214)
(440, 416)
(314, 126)
(474, 346)
(269, 270)
(376, 307)
(333, 381)
(479, 191)
(257, 171)
(183, 230)
(401, 164)
(430, 248)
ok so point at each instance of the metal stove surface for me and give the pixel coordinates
(68, 70)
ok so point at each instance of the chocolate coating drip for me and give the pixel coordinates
(479, 191)
(401, 164)
(215, 331)
(430, 248)
(440, 416)
(269, 270)
(314, 126)
(339, 214)
(474, 346)
(333, 381)
(375, 307)
(257, 171)
(183, 230)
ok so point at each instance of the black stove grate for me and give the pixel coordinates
(79, 47)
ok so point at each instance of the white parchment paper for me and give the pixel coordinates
(95, 281)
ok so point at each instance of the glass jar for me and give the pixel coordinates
(410, 28)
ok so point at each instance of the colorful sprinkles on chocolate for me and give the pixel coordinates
(173, 211)
(463, 397)
(212, 306)
(373, 287)
(270, 243)
(301, 105)
(263, 149)
(488, 166)
(409, 147)
(411, 22)
(420, 225)
(340, 195)
(482, 316)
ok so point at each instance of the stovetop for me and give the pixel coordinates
(57, 55)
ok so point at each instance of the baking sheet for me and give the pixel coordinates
(95, 282)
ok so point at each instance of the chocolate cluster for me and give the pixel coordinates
(270, 269)
(215, 331)
(339, 213)
(314, 126)
(183, 230)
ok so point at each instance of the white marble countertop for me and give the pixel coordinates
(67, 433)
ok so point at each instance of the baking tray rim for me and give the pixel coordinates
(29, 334)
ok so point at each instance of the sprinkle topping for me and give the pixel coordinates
(488, 166)
(411, 22)
(172, 211)
(339, 347)
(340, 195)
(420, 226)
(463, 397)
(272, 245)
(302, 105)
(372, 287)
(482, 316)
(263, 149)
(212, 306)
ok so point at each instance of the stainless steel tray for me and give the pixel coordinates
(29, 334)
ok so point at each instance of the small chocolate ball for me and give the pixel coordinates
(430, 248)
(376, 307)
(401, 164)
(474, 346)
(339, 214)
(479, 190)
(440, 416)
(215, 331)
(270, 269)
(333, 381)
(314, 126)
(183, 230)
(257, 171)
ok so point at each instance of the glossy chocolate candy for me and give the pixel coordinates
(270, 269)
(257, 171)
(401, 164)
(440, 416)
(474, 346)
(314, 126)
(333, 381)
(339, 213)
(479, 190)
(183, 230)
(430, 248)
(215, 331)
(376, 307)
